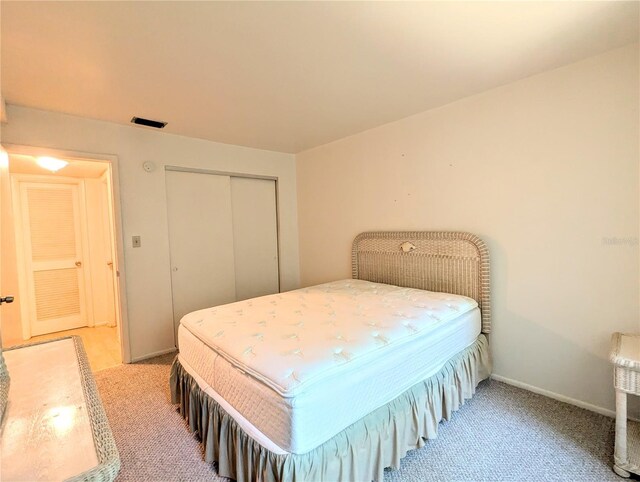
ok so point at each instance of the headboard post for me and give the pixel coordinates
(443, 261)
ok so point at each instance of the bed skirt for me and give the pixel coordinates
(359, 452)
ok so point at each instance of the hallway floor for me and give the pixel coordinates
(100, 342)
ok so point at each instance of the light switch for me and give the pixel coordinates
(135, 241)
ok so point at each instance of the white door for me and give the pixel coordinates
(201, 241)
(4, 175)
(108, 252)
(255, 237)
(54, 263)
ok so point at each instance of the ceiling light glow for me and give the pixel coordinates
(51, 163)
(4, 158)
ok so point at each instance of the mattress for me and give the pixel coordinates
(301, 366)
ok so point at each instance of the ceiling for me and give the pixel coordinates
(287, 76)
(22, 164)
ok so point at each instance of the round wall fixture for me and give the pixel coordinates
(148, 166)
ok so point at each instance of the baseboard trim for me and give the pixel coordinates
(155, 353)
(555, 396)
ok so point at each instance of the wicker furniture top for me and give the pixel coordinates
(5, 382)
(625, 355)
(443, 261)
(67, 434)
(625, 351)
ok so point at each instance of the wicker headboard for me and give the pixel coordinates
(449, 262)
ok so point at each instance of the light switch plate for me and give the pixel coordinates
(135, 241)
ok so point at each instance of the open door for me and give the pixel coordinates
(4, 375)
(109, 258)
(4, 172)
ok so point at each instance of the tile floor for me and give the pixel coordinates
(100, 342)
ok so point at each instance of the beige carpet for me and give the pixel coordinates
(503, 433)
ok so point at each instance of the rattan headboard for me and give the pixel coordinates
(449, 262)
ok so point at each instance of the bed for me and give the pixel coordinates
(340, 380)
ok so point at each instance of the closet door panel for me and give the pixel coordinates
(201, 241)
(255, 237)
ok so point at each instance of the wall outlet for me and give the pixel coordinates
(135, 241)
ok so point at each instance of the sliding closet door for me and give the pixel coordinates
(255, 236)
(201, 241)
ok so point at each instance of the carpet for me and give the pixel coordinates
(503, 434)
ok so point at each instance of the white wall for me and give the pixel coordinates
(143, 201)
(544, 170)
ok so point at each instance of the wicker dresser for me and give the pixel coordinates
(625, 355)
(55, 427)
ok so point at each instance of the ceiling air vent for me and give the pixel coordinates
(148, 122)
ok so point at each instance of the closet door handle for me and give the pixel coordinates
(78, 263)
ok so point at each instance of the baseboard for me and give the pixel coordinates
(155, 353)
(104, 323)
(555, 396)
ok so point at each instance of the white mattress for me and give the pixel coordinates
(301, 366)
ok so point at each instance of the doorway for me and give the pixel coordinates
(60, 254)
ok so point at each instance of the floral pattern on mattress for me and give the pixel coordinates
(291, 340)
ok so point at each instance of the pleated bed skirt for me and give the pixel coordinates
(360, 452)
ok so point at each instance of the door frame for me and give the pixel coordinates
(25, 275)
(122, 319)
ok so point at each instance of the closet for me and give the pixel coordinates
(223, 237)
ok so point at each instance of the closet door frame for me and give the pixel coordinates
(247, 176)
